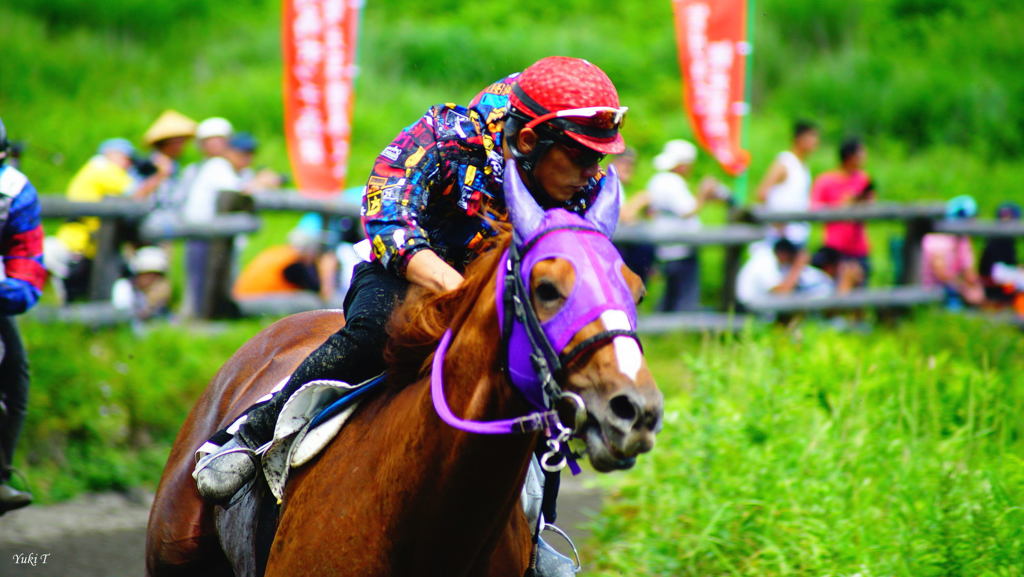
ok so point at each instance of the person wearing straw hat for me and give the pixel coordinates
(168, 136)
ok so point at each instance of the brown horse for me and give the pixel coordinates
(399, 492)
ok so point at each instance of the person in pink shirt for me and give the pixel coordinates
(847, 185)
(948, 260)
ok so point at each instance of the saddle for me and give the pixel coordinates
(310, 419)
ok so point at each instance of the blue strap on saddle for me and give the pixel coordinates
(346, 400)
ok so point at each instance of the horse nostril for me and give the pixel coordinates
(654, 421)
(624, 408)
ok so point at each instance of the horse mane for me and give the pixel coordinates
(419, 322)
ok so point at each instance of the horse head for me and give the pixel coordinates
(583, 298)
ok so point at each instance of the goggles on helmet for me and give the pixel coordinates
(601, 117)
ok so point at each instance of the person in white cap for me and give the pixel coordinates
(147, 292)
(212, 136)
(214, 175)
(674, 207)
(153, 288)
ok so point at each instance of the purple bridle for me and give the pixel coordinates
(533, 361)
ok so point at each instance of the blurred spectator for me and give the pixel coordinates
(105, 174)
(846, 274)
(771, 272)
(212, 136)
(216, 174)
(848, 185)
(787, 184)
(212, 141)
(340, 235)
(167, 136)
(219, 173)
(108, 173)
(639, 257)
(1000, 250)
(21, 283)
(148, 292)
(674, 207)
(949, 259)
(300, 265)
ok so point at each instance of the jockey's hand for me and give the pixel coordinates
(428, 270)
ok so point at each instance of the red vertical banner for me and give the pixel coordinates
(712, 39)
(319, 43)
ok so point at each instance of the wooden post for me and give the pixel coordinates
(106, 265)
(215, 300)
(916, 229)
(733, 254)
(730, 272)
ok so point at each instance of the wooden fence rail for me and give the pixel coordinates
(124, 220)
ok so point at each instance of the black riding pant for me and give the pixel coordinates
(353, 354)
(13, 392)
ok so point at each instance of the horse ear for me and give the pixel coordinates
(523, 210)
(604, 214)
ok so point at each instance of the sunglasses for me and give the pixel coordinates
(580, 155)
(602, 117)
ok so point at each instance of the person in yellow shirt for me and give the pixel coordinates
(105, 174)
(108, 173)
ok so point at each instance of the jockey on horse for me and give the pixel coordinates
(428, 209)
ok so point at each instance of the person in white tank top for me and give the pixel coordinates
(787, 184)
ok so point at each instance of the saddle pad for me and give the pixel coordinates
(309, 420)
(310, 441)
(295, 417)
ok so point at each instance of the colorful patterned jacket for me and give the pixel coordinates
(21, 243)
(433, 185)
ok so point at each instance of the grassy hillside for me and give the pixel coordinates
(810, 454)
(939, 101)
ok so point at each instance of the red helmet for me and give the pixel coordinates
(575, 96)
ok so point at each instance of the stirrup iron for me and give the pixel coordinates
(565, 536)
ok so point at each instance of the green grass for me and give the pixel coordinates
(106, 404)
(812, 452)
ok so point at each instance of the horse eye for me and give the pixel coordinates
(547, 291)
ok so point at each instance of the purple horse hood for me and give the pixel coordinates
(600, 290)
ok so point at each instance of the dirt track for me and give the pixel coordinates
(104, 535)
(93, 536)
